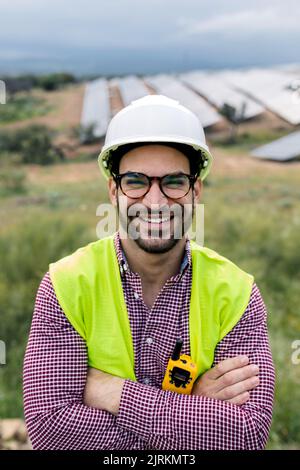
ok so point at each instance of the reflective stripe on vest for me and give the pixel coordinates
(88, 287)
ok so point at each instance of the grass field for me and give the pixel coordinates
(252, 216)
(23, 106)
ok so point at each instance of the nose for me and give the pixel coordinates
(154, 195)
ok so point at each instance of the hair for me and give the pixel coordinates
(195, 157)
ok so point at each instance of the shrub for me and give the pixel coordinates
(54, 81)
(33, 143)
(85, 134)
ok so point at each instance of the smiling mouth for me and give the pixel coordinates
(155, 220)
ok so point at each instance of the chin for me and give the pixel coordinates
(156, 246)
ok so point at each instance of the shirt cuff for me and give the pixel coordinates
(137, 408)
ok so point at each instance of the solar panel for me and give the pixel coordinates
(96, 107)
(283, 149)
(173, 88)
(132, 88)
(218, 92)
(274, 88)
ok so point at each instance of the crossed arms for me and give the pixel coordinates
(68, 406)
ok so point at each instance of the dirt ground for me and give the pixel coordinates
(233, 166)
(65, 104)
(242, 165)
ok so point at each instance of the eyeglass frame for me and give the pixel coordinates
(191, 178)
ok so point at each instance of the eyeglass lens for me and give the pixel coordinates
(136, 185)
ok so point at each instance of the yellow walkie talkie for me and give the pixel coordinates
(181, 372)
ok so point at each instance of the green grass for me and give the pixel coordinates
(12, 181)
(246, 221)
(22, 106)
(254, 221)
(27, 248)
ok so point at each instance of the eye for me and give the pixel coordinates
(135, 181)
(175, 181)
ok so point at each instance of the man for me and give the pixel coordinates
(107, 317)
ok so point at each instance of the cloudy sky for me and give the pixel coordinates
(146, 36)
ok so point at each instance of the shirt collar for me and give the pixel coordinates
(124, 267)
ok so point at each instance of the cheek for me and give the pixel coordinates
(125, 203)
(184, 204)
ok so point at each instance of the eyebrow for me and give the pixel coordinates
(167, 174)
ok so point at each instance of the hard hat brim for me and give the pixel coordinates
(106, 150)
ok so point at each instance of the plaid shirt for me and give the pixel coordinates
(55, 369)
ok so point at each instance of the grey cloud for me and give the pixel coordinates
(196, 29)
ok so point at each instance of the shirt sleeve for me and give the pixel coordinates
(167, 420)
(54, 377)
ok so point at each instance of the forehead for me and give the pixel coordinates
(161, 158)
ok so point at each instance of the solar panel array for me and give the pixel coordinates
(248, 91)
(274, 88)
(173, 88)
(215, 89)
(132, 88)
(283, 149)
(96, 107)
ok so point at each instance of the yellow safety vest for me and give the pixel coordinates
(88, 287)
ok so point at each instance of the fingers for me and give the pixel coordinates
(240, 399)
(238, 389)
(236, 376)
(226, 366)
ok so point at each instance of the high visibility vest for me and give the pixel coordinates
(88, 287)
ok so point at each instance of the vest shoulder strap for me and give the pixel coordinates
(76, 276)
(224, 288)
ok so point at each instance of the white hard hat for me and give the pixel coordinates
(155, 118)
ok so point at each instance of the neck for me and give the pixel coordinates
(153, 268)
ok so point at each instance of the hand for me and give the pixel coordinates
(230, 380)
(103, 391)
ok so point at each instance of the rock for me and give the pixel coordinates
(11, 445)
(13, 435)
(26, 446)
(22, 435)
(9, 428)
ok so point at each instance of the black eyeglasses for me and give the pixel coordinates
(137, 185)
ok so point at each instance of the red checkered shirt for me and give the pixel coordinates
(55, 370)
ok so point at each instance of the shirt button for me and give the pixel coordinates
(136, 295)
(146, 380)
(149, 340)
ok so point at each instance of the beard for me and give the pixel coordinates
(155, 237)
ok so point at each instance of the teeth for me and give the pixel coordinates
(155, 221)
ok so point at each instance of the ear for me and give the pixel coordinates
(198, 190)
(112, 191)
